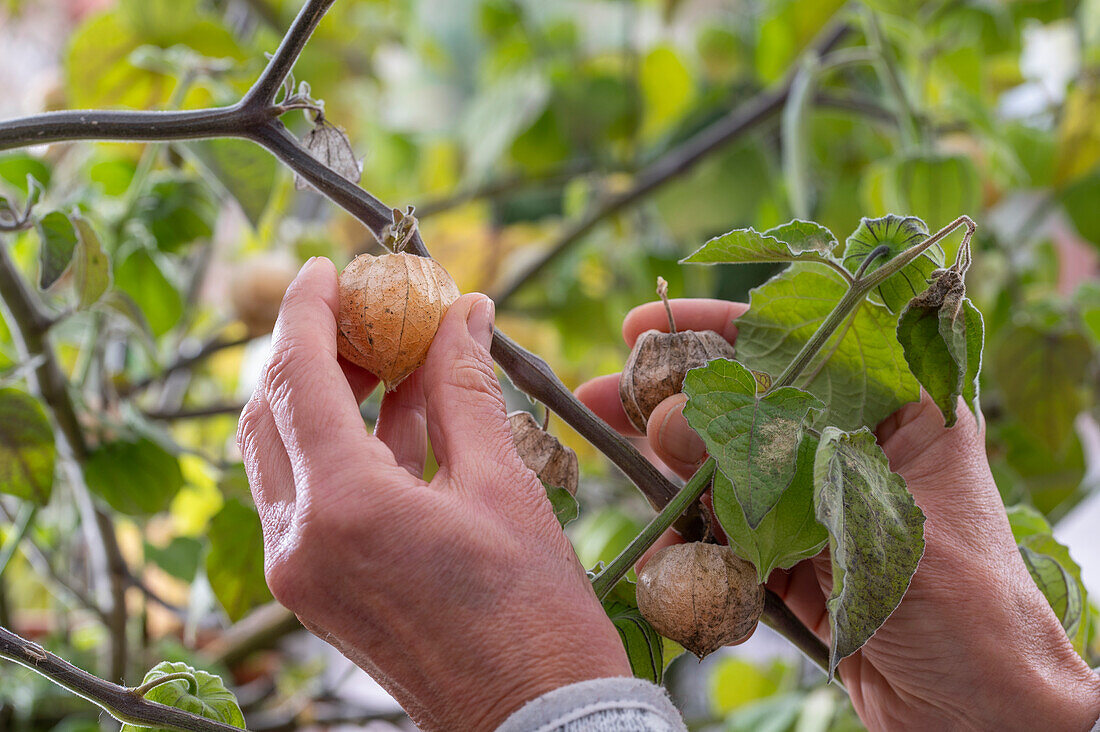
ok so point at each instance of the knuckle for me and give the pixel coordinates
(286, 581)
(282, 370)
(248, 427)
(473, 374)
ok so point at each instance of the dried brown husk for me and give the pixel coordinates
(702, 596)
(553, 462)
(256, 292)
(657, 365)
(390, 309)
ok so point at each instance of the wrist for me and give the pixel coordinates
(567, 659)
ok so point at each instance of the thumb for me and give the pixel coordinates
(465, 407)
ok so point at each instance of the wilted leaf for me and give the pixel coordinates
(91, 267)
(1041, 376)
(789, 532)
(643, 644)
(754, 438)
(235, 563)
(860, 374)
(210, 698)
(136, 477)
(894, 234)
(57, 242)
(944, 352)
(876, 536)
(330, 145)
(27, 449)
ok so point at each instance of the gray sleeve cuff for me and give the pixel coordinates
(601, 705)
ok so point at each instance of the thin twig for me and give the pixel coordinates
(667, 168)
(118, 701)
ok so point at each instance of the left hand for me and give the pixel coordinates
(461, 596)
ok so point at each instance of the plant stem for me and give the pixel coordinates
(853, 298)
(192, 685)
(888, 72)
(23, 522)
(668, 167)
(118, 701)
(606, 580)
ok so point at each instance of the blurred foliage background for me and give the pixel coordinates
(509, 124)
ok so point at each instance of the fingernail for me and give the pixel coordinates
(306, 266)
(678, 439)
(480, 321)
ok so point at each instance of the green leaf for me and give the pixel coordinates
(754, 438)
(245, 170)
(944, 352)
(158, 20)
(565, 505)
(99, 64)
(180, 558)
(140, 277)
(58, 242)
(27, 449)
(895, 234)
(793, 242)
(643, 645)
(667, 89)
(235, 564)
(861, 374)
(876, 536)
(210, 698)
(136, 477)
(934, 187)
(805, 236)
(1065, 596)
(1041, 376)
(16, 166)
(91, 267)
(498, 115)
(177, 211)
(789, 532)
(1079, 201)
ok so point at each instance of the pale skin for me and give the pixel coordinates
(463, 598)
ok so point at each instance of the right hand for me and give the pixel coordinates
(974, 644)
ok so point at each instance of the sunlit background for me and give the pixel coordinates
(509, 124)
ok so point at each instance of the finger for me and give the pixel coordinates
(314, 408)
(601, 395)
(467, 426)
(800, 588)
(265, 460)
(672, 438)
(690, 314)
(401, 424)
(361, 381)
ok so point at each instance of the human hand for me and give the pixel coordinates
(461, 596)
(974, 644)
